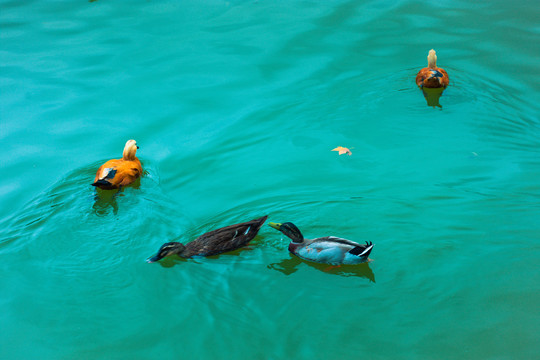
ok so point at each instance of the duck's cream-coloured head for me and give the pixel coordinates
(130, 150)
(432, 59)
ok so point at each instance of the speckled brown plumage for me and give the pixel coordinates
(224, 239)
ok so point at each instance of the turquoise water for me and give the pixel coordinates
(236, 106)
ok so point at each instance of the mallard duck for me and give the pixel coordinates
(432, 76)
(116, 173)
(329, 250)
(214, 242)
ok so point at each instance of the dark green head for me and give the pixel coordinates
(167, 249)
(290, 230)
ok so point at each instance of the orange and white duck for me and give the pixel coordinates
(432, 76)
(117, 173)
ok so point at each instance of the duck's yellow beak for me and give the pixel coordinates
(276, 226)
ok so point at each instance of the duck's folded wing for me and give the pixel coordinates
(228, 233)
(345, 245)
(107, 173)
(104, 176)
(228, 238)
(335, 241)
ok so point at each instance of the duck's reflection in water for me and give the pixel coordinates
(432, 96)
(291, 265)
(105, 200)
(173, 260)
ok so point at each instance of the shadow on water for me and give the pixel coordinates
(106, 199)
(291, 265)
(432, 96)
(169, 261)
(173, 260)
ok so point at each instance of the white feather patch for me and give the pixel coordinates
(367, 250)
(104, 173)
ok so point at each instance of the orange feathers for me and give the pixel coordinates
(432, 76)
(116, 173)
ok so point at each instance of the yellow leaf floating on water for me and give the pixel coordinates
(343, 150)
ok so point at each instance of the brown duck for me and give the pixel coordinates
(214, 242)
(116, 173)
(432, 76)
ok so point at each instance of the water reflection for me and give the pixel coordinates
(106, 199)
(432, 96)
(103, 200)
(290, 265)
(170, 261)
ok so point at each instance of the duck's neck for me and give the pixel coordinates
(178, 248)
(295, 235)
(293, 246)
(129, 153)
(432, 60)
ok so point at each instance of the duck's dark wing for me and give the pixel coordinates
(224, 239)
(362, 250)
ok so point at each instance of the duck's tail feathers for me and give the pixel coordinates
(102, 183)
(256, 225)
(362, 250)
(261, 220)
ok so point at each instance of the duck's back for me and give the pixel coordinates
(117, 172)
(224, 239)
(428, 77)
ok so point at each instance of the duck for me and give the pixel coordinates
(432, 76)
(215, 242)
(117, 173)
(328, 250)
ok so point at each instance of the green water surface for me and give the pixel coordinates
(236, 106)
